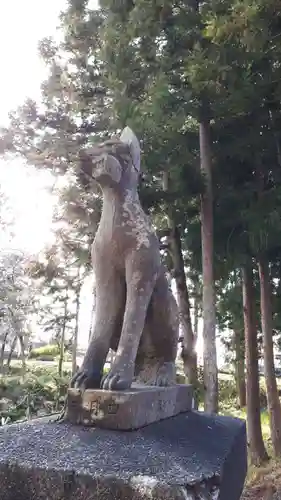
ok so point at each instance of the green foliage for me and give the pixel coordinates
(41, 392)
(50, 350)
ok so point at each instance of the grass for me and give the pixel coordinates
(40, 392)
(262, 482)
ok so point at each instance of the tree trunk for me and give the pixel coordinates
(61, 356)
(196, 305)
(2, 353)
(273, 120)
(208, 302)
(22, 355)
(75, 336)
(240, 368)
(256, 445)
(62, 339)
(188, 351)
(273, 403)
(12, 348)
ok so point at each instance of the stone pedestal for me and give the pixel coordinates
(188, 457)
(127, 410)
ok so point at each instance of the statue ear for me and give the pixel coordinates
(128, 137)
(113, 168)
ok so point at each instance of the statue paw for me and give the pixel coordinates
(117, 380)
(86, 379)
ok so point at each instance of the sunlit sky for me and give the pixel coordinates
(22, 25)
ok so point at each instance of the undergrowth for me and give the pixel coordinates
(40, 392)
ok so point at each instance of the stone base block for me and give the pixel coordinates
(189, 457)
(127, 410)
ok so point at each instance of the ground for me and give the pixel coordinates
(264, 483)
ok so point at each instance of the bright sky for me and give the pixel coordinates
(22, 25)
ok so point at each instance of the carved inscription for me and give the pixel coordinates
(98, 407)
(161, 405)
(112, 408)
(95, 408)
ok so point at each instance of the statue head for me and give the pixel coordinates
(115, 162)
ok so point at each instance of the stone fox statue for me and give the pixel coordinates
(136, 313)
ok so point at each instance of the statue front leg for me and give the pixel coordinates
(139, 291)
(110, 299)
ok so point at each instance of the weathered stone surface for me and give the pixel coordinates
(130, 409)
(136, 313)
(189, 457)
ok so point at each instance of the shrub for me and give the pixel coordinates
(66, 357)
(42, 391)
(50, 350)
(45, 357)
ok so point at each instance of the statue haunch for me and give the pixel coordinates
(136, 313)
